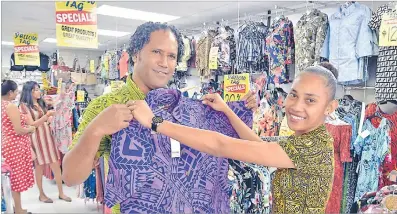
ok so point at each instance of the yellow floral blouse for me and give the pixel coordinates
(306, 188)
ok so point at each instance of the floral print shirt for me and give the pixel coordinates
(280, 47)
(310, 32)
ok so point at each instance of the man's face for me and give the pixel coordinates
(155, 64)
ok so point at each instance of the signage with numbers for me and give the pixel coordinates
(388, 30)
(236, 86)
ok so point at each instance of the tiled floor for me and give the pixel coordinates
(30, 201)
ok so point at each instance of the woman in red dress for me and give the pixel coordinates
(16, 145)
(32, 104)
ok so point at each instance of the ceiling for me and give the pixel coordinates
(40, 16)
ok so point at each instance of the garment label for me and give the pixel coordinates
(92, 66)
(175, 149)
(388, 30)
(365, 134)
(213, 58)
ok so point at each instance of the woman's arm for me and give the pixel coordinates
(30, 120)
(213, 143)
(15, 117)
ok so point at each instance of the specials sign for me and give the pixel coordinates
(235, 87)
(26, 49)
(76, 24)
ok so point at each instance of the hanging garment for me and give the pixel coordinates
(90, 186)
(192, 61)
(182, 65)
(16, 150)
(203, 53)
(310, 32)
(144, 178)
(306, 188)
(348, 39)
(342, 139)
(123, 64)
(62, 124)
(372, 149)
(280, 48)
(390, 162)
(251, 46)
(386, 73)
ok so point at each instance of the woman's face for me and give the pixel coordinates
(307, 105)
(36, 93)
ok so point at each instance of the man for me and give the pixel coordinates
(155, 49)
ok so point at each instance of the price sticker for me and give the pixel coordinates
(213, 58)
(92, 66)
(59, 86)
(175, 148)
(388, 30)
(80, 96)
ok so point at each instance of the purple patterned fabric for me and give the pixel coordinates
(144, 178)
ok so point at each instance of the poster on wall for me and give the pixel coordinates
(235, 87)
(76, 24)
(26, 49)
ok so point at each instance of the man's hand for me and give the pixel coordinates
(112, 119)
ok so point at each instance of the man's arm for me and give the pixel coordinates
(77, 163)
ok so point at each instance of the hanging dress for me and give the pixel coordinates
(16, 152)
(42, 140)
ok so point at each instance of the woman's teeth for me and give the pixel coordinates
(297, 118)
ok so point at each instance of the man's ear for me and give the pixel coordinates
(332, 106)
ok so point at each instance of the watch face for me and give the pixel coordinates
(157, 119)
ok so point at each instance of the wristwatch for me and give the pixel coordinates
(156, 121)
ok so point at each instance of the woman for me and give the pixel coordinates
(32, 104)
(16, 147)
(304, 183)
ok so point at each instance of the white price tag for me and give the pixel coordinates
(365, 134)
(175, 149)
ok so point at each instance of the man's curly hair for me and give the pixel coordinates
(142, 37)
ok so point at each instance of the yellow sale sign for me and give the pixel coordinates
(26, 49)
(388, 30)
(76, 24)
(235, 87)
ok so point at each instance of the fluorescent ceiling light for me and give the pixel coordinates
(6, 43)
(112, 33)
(50, 40)
(126, 13)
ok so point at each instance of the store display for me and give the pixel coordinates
(386, 73)
(269, 50)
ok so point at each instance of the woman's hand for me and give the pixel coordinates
(50, 113)
(31, 129)
(217, 103)
(251, 101)
(142, 113)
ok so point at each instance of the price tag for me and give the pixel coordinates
(80, 96)
(106, 63)
(44, 80)
(59, 85)
(175, 149)
(388, 30)
(92, 66)
(213, 58)
(365, 134)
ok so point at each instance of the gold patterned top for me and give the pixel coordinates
(129, 91)
(306, 188)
